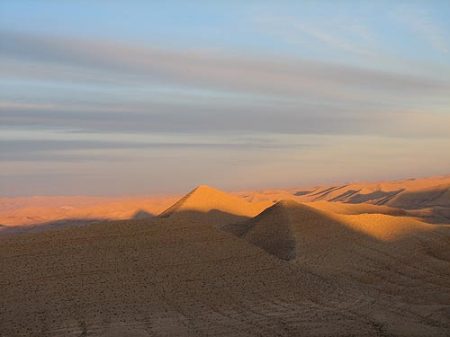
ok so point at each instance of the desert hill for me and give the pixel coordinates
(353, 246)
(406, 194)
(162, 277)
(214, 206)
(426, 198)
(313, 269)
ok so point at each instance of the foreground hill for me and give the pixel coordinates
(292, 270)
(366, 248)
(162, 277)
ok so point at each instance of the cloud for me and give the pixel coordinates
(243, 119)
(421, 23)
(126, 113)
(294, 30)
(194, 118)
(251, 94)
(121, 63)
(22, 145)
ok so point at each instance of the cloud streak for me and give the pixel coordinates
(294, 31)
(63, 150)
(420, 23)
(281, 76)
(258, 94)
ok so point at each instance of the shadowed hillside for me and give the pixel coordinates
(385, 252)
(164, 277)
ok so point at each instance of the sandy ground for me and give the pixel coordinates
(213, 266)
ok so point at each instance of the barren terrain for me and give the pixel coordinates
(216, 264)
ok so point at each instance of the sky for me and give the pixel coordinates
(155, 97)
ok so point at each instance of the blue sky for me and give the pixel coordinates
(137, 97)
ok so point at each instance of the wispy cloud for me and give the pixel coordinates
(420, 22)
(294, 31)
(64, 150)
(191, 118)
(70, 59)
(308, 96)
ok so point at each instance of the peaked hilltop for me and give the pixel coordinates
(291, 230)
(220, 207)
(276, 229)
